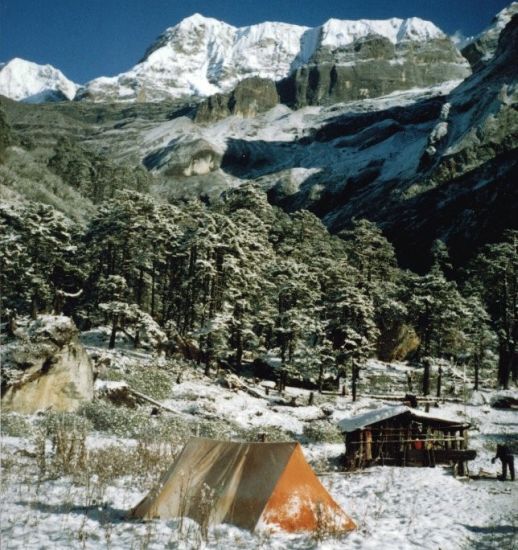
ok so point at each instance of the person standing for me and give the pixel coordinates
(503, 452)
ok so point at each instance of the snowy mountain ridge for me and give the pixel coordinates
(201, 56)
(26, 81)
(481, 48)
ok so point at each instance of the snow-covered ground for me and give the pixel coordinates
(394, 508)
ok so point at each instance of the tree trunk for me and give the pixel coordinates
(12, 325)
(409, 381)
(426, 377)
(321, 378)
(355, 376)
(140, 287)
(504, 366)
(439, 382)
(34, 307)
(477, 373)
(239, 350)
(153, 290)
(113, 334)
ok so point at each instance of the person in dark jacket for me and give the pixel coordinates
(503, 452)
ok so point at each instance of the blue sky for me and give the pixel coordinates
(90, 38)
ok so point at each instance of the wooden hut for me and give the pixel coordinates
(401, 436)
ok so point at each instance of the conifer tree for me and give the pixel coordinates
(493, 276)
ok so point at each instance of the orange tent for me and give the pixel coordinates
(250, 485)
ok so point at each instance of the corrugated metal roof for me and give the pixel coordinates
(366, 419)
(359, 421)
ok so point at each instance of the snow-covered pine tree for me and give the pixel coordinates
(493, 275)
(43, 247)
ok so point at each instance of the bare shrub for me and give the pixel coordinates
(151, 380)
(67, 434)
(108, 418)
(328, 524)
(15, 425)
(321, 431)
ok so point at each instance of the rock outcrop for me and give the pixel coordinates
(190, 156)
(44, 367)
(249, 98)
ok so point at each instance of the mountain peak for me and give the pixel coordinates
(197, 19)
(27, 81)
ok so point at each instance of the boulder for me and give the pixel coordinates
(185, 157)
(46, 367)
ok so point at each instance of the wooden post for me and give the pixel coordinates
(347, 441)
(367, 434)
(360, 448)
(455, 443)
(464, 439)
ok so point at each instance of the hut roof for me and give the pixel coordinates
(360, 421)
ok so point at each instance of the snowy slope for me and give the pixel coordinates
(202, 56)
(32, 83)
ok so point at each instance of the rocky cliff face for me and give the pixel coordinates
(249, 98)
(45, 366)
(372, 66)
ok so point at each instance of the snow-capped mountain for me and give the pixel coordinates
(32, 83)
(202, 56)
(434, 159)
(482, 48)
